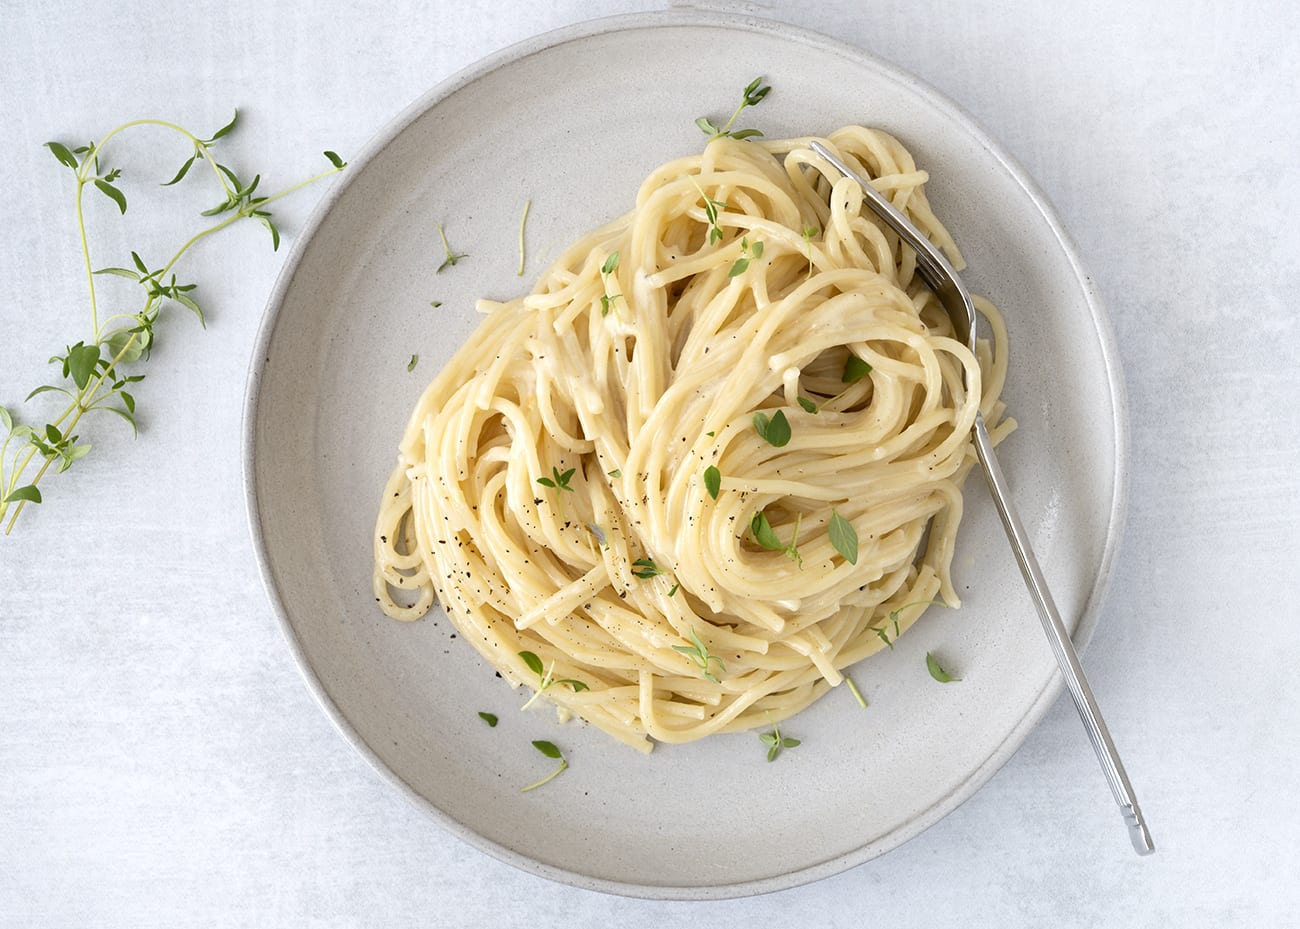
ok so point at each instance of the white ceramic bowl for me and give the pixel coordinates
(574, 120)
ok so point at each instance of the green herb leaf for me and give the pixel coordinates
(764, 534)
(185, 169)
(558, 481)
(122, 341)
(112, 193)
(578, 686)
(936, 670)
(489, 718)
(738, 267)
(226, 129)
(415, 360)
(808, 405)
(712, 481)
(617, 472)
(61, 152)
(435, 303)
(31, 493)
(757, 250)
(703, 122)
(49, 388)
(119, 272)
(646, 568)
(610, 265)
(855, 369)
(775, 742)
(335, 160)
(534, 663)
(844, 537)
(673, 592)
(7, 420)
(547, 748)
(775, 431)
(275, 233)
(188, 302)
(82, 359)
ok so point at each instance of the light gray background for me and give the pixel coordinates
(162, 762)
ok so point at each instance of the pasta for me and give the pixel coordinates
(587, 479)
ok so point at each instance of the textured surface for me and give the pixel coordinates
(161, 762)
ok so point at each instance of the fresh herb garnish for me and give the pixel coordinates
(700, 655)
(451, 257)
(774, 431)
(766, 536)
(843, 536)
(775, 742)
(882, 632)
(936, 671)
(435, 303)
(489, 718)
(616, 473)
(550, 751)
(558, 481)
(93, 372)
(855, 369)
(753, 95)
(415, 360)
(546, 678)
(748, 253)
(675, 588)
(608, 300)
(646, 568)
(712, 481)
(522, 219)
(808, 233)
(711, 209)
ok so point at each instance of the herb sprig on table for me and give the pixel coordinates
(98, 373)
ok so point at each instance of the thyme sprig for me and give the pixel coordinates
(550, 751)
(761, 529)
(450, 258)
(775, 742)
(546, 678)
(711, 209)
(882, 631)
(752, 95)
(697, 652)
(608, 300)
(748, 253)
(94, 372)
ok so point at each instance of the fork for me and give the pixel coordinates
(940, 277)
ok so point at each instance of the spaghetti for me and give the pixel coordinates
(586, 480)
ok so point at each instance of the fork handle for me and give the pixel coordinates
(1062, 647)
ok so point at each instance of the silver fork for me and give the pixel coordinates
(942, 279)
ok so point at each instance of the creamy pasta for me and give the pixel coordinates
(587, 480)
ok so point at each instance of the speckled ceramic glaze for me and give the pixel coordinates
(574, 120)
